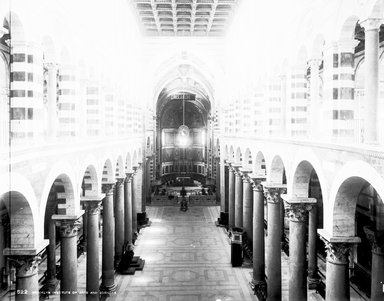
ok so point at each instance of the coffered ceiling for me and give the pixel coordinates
(185, 17)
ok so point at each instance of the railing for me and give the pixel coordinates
(13, 153)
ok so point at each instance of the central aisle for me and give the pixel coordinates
(187, 258)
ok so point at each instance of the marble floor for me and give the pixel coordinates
(187, 258)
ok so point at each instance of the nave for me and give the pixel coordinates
(187, 258)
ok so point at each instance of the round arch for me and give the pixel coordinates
(128, 163)
(239, 156)
(119, 167)
(135, 162)
(89, 182)
(276, 171)
(259, 165)
(108, 174)
(231, 154)
(63, 172)
(19, 186)
(247, 162)
(343, 196)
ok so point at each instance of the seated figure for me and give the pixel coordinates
(126, 258)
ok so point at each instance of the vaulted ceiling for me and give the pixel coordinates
(185, 17)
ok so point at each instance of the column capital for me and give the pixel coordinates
(128, 177)
(376, 238)
(68, 224)
(272, 192)
(234, 166)
(256, 182)
(26, 265)
(92, 206)
(371, 23)
(337, 247)
(297, 207)
(107, 188)
(119, 181)
(337, 252)
(245, 173)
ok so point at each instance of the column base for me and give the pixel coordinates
(222, 221)
(117, 261)
(259, 289)
(108, 289)
(313, 282)
(49, 287)
(143, 221)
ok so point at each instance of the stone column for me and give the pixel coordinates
(273, 250)
(238, 198)
(217, 185)
(313, 276)
(51, 281)
(92, 209)
(371, 27)
(85, 233)
(231, 197)
(376, 239)
(128, 208)
(282, 218)
(2, 242)
(27, 280)
(134, 203)
(226, 188)
(258, 283)
(119, 220)
(52, 101)
(69, 226)
(108, 248)
(247, 206)
(337, 275)
(297, 209)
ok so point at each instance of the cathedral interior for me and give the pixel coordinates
(206, 150)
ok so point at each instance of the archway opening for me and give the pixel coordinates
(16, 230)
(184, 138)
(359, 211)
